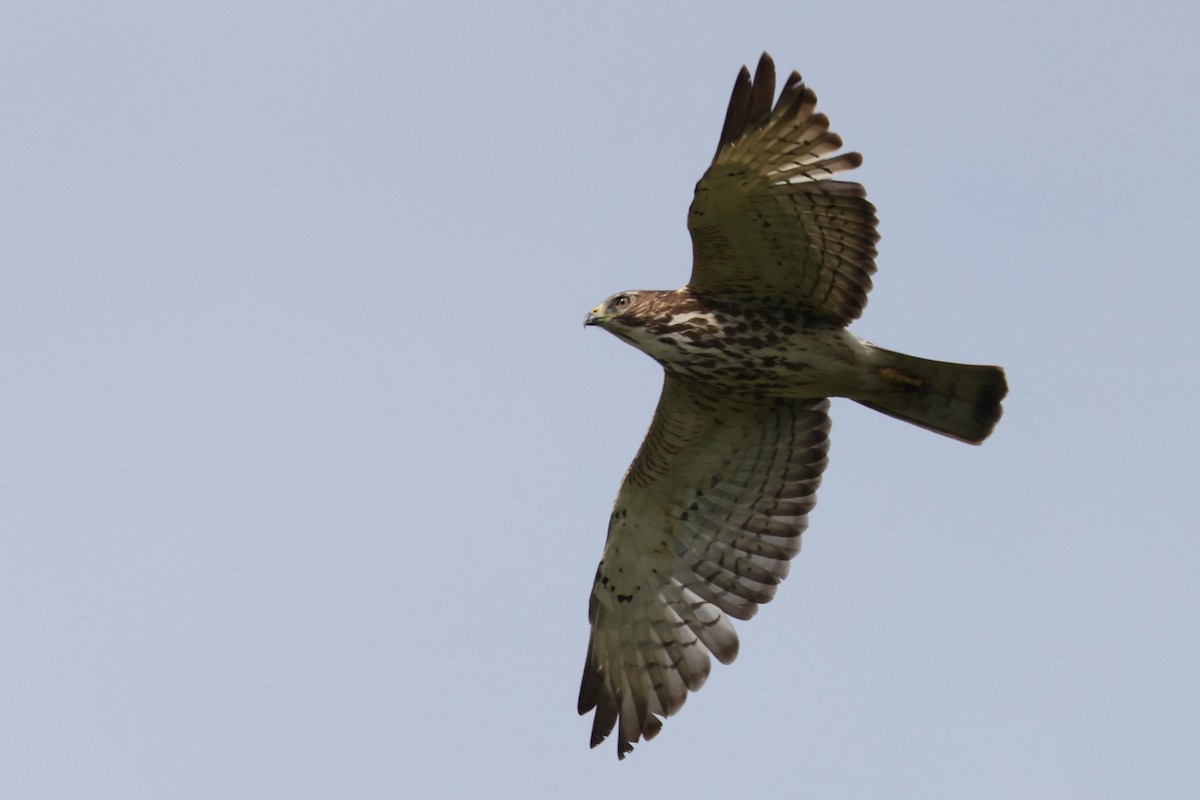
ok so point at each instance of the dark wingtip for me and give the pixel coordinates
(589, 686)
(738, 110)
(750, 102)
(762, 91)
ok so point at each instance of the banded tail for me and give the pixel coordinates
(961, 401)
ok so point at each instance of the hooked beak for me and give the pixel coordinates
(592, 318)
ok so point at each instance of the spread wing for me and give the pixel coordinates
(767, 224)
(707, 518)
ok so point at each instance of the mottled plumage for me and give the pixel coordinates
(712, 508)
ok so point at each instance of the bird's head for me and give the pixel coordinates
(631, 316)
(651, 321)
(620, 311)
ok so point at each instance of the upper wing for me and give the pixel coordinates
(708, 515)
(767, 225)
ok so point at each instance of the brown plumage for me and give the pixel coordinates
(712, 508)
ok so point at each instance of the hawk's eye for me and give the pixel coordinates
(621, 302)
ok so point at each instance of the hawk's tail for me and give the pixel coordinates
(957, 400)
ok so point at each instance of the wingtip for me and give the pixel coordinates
(739, 108)
(766, 65)
(750, 101)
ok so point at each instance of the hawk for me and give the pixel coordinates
(711, 510)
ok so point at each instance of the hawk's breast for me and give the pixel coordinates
(765, 352)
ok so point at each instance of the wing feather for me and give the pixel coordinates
(768, 225)
(705, 524)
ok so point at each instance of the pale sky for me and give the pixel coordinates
(306, 460)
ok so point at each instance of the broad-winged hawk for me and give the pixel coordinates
(712, 508)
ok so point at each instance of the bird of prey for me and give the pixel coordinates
(711, 510)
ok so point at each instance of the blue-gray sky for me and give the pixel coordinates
(306, 461)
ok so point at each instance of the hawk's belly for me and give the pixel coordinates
(768, 360)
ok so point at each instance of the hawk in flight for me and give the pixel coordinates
(711, 510)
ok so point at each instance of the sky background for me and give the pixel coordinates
(306, 460)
